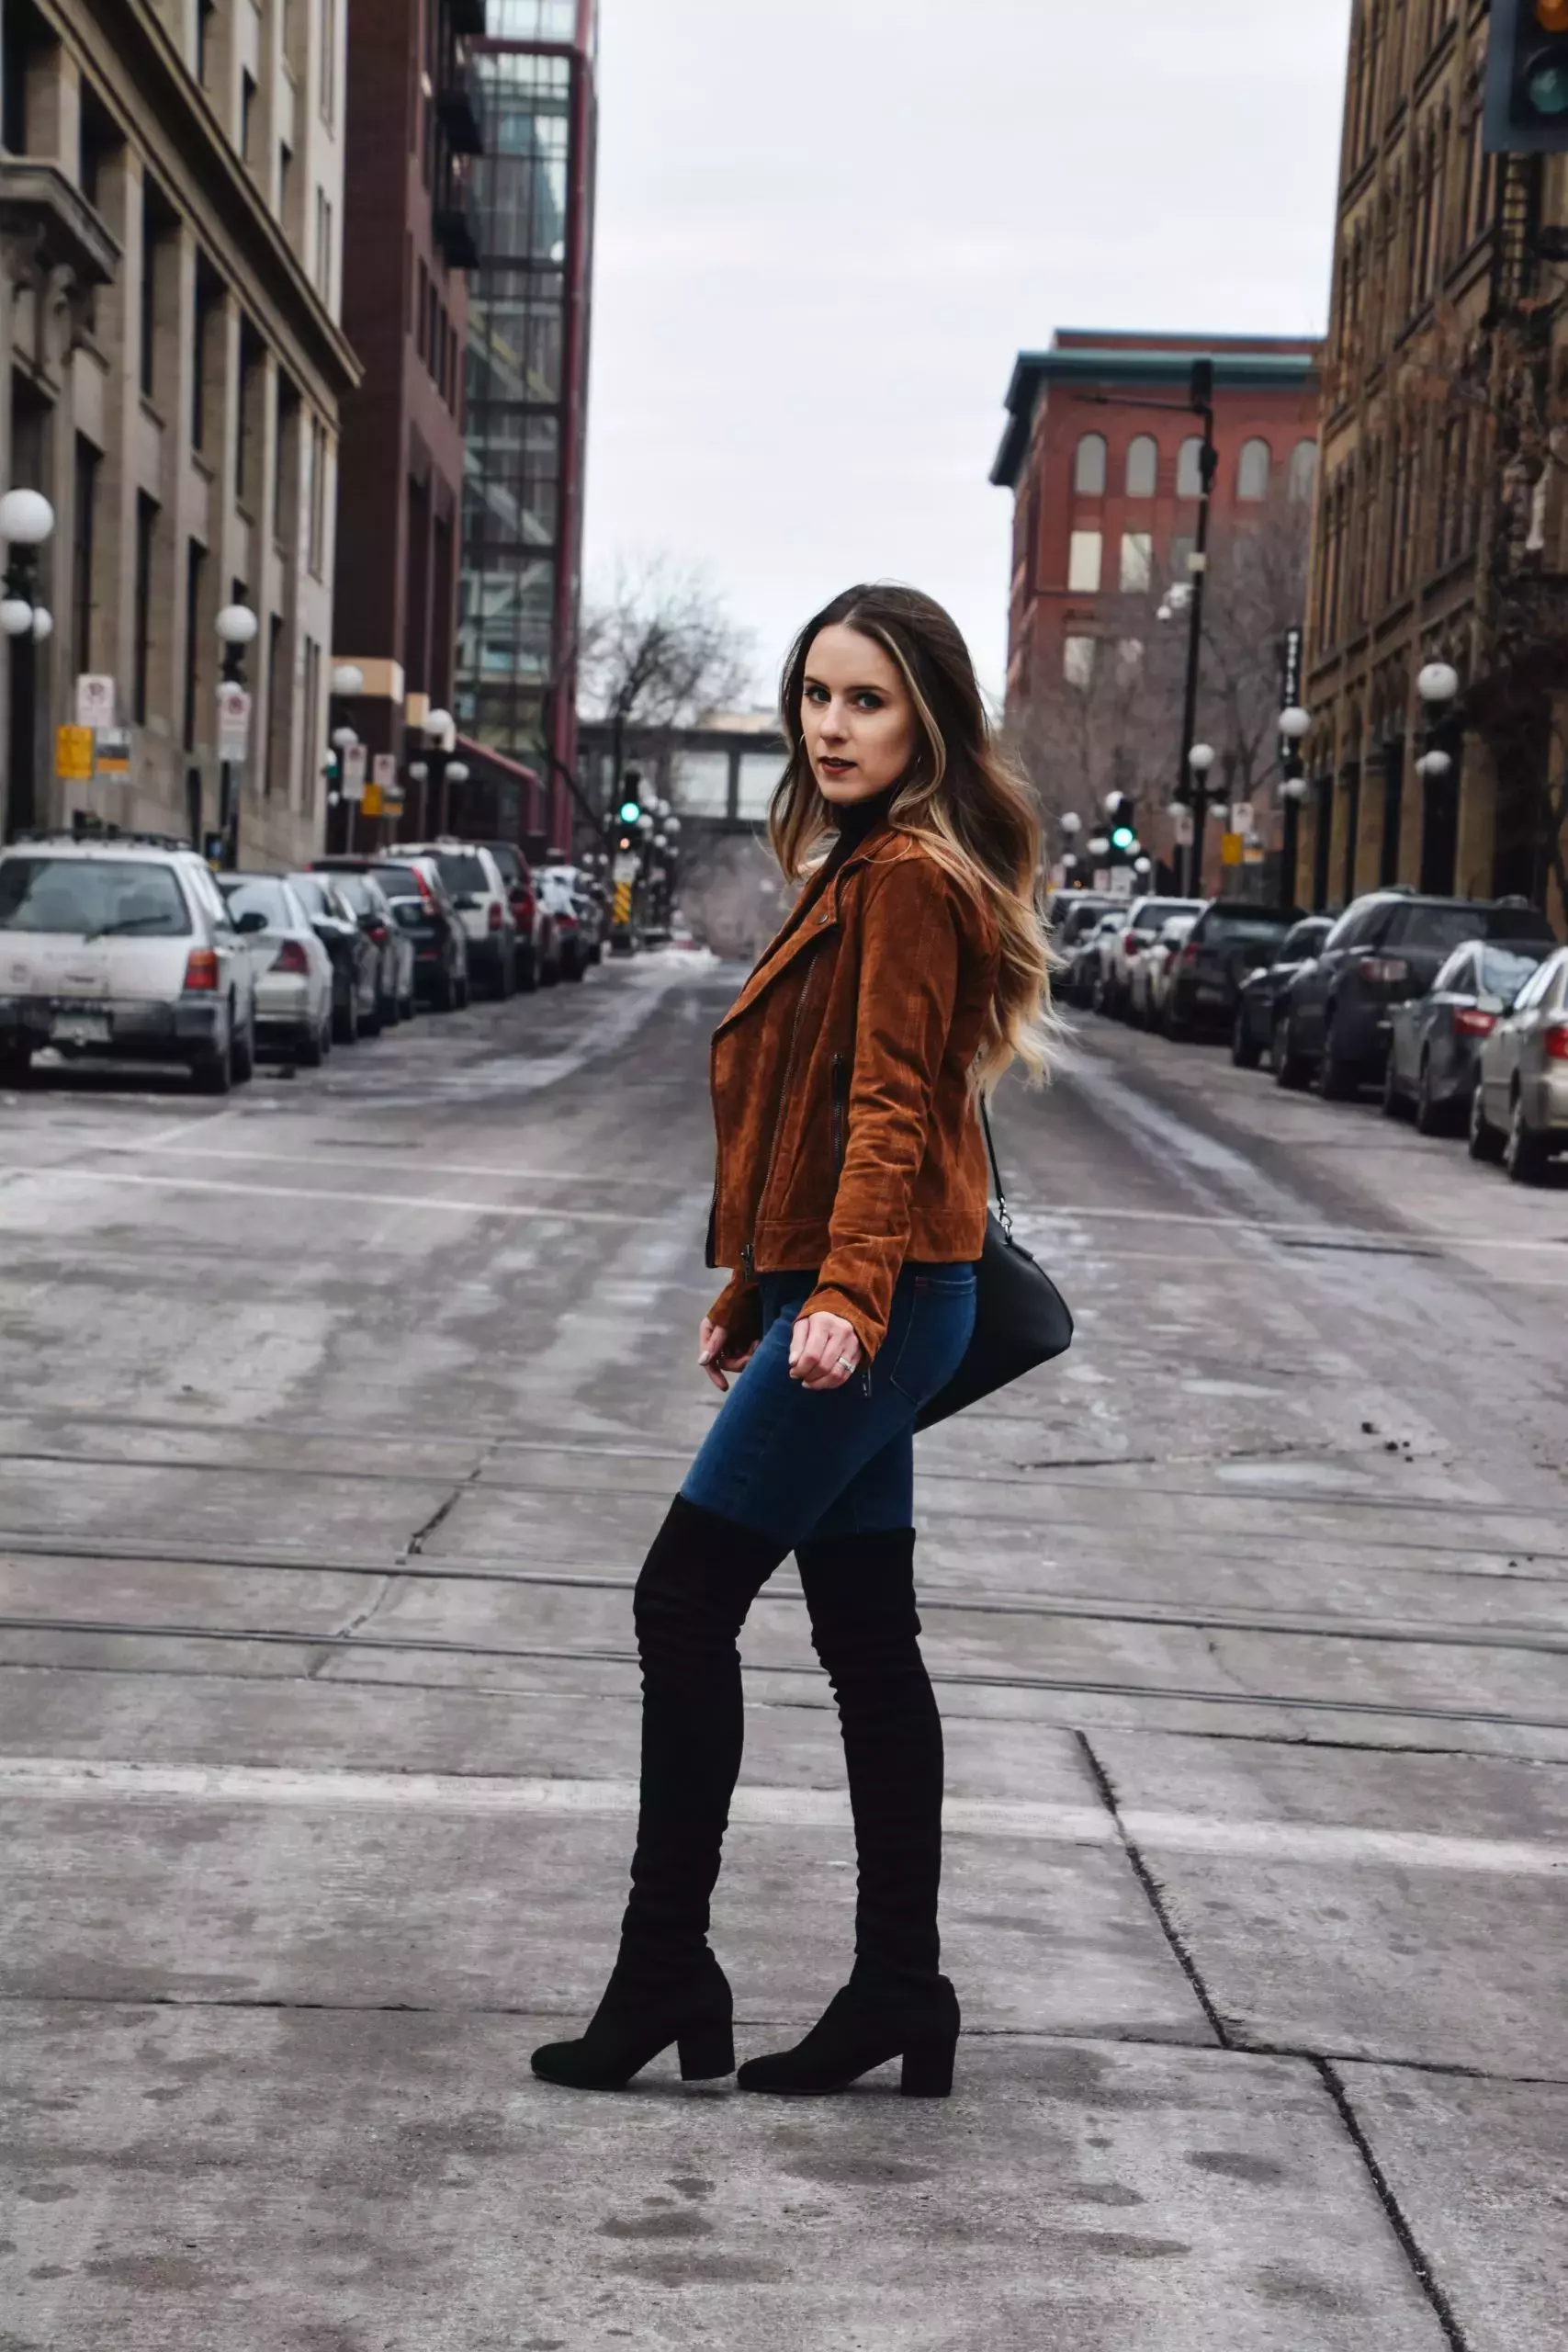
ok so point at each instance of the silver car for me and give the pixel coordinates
(293, 970)
(1519, 1110)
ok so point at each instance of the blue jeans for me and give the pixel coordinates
(792, 1464)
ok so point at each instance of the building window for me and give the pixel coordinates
(1089, 470)
(84, 519)
(196, 567)
(1137, 561)
(317, 511)
(1086, 562)
(285, 463)
(1253, 470)
(310, 722)
(329, 60)
(324, 246)
(285, 179)
(1142, 467)
(247, 118)
(1190, 468)
(1077, 661)
(1303, 472)
(148, 320)
(146, 535)
(1184, 548)
(205, 12)
(273, 682)
(248, 449)
(1129, 656)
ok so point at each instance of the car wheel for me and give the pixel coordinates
(1525, 1154)
(506, 976)
(1290, 1070)
(345, 1022)
(1338, 1079)
(444, 995)
(578, 968)
(17, 1066)
(1432, 1118)
(1391, 1099)
(313, 1049)
(214, 1071)
(597, 956)
(242, 1055)
(1486, 1143)
(549, 975)
(406, 1006)
(527, 970)
(1245, 1053)
(461, 992)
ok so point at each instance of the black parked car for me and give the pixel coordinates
(356, 960)
(1336, 1014)
(423, 910)
(1435, 1046)
(1257, 999)
(1227, 942)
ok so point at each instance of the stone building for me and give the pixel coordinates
(1439, 534)
(171, 217)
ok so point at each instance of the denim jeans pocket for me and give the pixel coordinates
(942, 1320)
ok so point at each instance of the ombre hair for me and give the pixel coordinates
(961, 798)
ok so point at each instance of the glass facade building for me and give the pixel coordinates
(528, 315)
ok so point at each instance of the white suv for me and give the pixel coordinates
(121, 945)
(478, 892)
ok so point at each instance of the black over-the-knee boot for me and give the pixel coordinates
(696, 1585)
(861, 1593)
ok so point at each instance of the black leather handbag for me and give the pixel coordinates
(1021, 1320)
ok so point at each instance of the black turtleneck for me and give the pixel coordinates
(857, 820)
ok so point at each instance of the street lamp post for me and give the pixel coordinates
(347, 684)
(1439, 687)
(1295, 724)
(440, 735)
(1203, 402)
(27, 520)
(1200, 760)
(345, 739)
(237, 626)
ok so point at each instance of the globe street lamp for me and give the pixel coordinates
(1200, 760)
(440, 731)
(456, 776)
(236, 625)
(27, 520)
(1295, 725)
(1437, 684)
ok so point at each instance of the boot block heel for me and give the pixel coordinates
(707, 2054)
(928, 2068)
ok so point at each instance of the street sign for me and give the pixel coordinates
(1242, 818)
(1122, 882)
(233, 723)
(114, 753)
(1231, 848)
(1182, 823)
(94, 702)
(74, 754)
(386, 786)
(355, 761)
(626, 868)
(620, 906)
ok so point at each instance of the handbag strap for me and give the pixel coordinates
(1004, 1215)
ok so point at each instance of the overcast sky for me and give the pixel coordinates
(827, 227)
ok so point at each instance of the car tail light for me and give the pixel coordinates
(1555, 1040)
(1385, 971)
(379, 933)
(1190, 953)
(496, 917)
(201, 971)
(1129, 943)
(1470, 1022)
(291, 957)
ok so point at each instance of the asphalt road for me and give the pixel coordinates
(335, 1421)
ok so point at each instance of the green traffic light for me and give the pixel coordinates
(630, 811)
(1123, 837)
(1547, 83)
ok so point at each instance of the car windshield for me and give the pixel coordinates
(92, 897)
(399, 881)
(1505, 970)
(313, 893)
(362, 896)
(511, 865)
(262, 897)
(1078, 919)
(1442, 928)
(1160, 910)
(462, 872)
(1305, 940)
(1254, 923)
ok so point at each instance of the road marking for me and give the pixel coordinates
(72, 1779)
(348, 1200)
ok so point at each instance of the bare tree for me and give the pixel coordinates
(660, 651)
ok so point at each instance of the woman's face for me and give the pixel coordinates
(857, 717)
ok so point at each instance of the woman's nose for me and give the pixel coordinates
(833, 723)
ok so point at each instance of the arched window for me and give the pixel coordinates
(1253, 470)
(1303, 472)
(1190, 469)
(1089, 473)
(1142, 467)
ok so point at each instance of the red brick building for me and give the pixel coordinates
(414, 126)
(1101, 453)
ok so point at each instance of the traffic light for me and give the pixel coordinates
(1526, 78)
(1122, 828)
(630, 810)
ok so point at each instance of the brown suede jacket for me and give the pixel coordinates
(849, 1138)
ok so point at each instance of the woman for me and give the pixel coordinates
(851, 1201)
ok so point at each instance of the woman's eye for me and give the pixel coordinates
(868, 702)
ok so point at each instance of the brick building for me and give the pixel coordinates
(171, 209)
(1440, 528)
(1101, 453)
(414, 125)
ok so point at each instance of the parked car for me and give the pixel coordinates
(592, 915)
(1519, 1107)
(1226, 942)
(1149, 987)
(1338, 1013)
(422, 910)
(1436, 1040)
(1081, 978)
(478, 889)
(356, 958)
(1257, 999)
(373, 911)
(293, 970)
(558, 886)
(1071, 913)
(1138, 929)
(121, 945)
(537, 950)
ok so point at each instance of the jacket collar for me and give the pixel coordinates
(816, 916)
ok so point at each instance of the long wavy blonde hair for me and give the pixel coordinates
(961, 799)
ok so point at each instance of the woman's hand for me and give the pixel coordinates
(823, 1351)
(717, 1358)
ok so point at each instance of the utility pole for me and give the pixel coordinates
(1203, 402)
